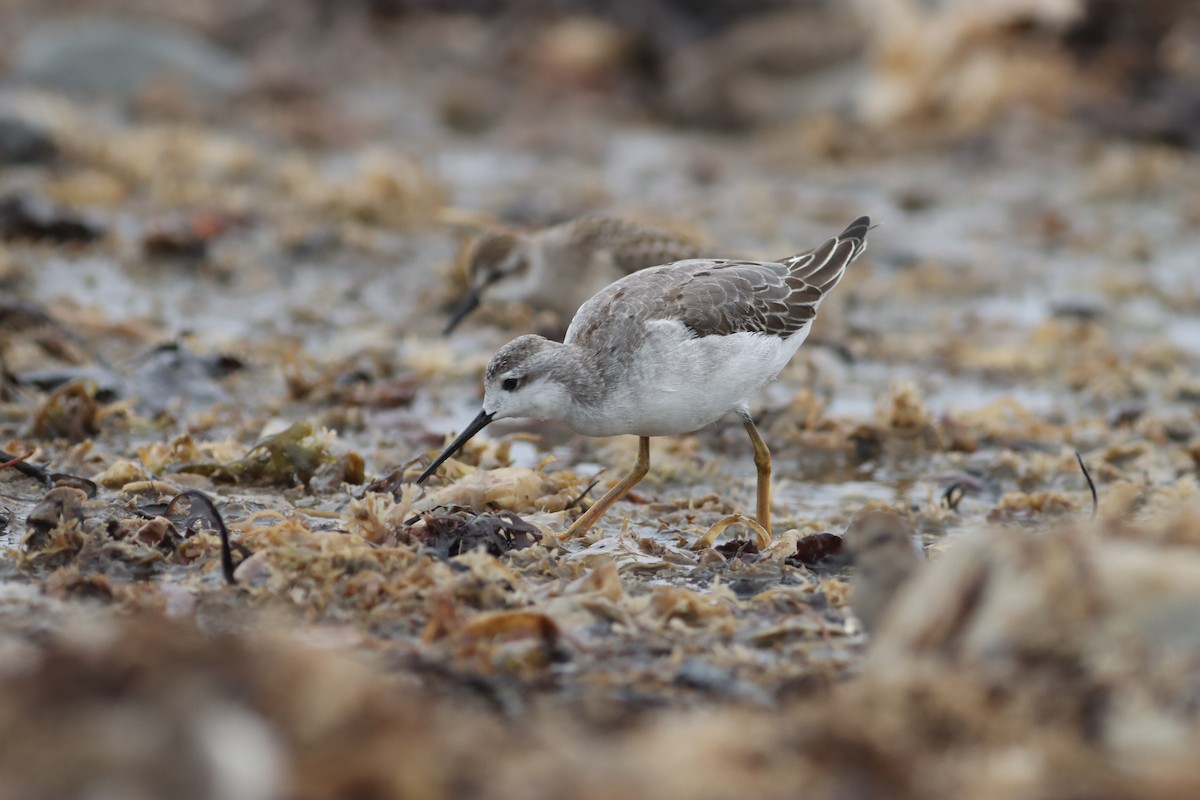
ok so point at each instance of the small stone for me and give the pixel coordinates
(155, 532)
(121, 472)
(28, 219)
(61, 502)
(23, 143)
(110, 55)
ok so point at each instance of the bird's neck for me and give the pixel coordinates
(584, 383)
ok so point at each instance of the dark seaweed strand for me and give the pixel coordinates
(48, 479)
(1091, 484)
(227, 565)
(584, 493)
(12, 462)
(25, 468)
(954, 495)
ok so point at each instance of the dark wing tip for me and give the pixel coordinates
(811, 261)
(824, 266)
(857, 229)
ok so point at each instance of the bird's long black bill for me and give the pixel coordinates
(479, 423)
(468, 304)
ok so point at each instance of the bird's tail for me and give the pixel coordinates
(824, 266)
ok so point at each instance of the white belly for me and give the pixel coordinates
(677, 384)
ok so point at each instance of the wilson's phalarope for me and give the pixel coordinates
(559, 268)
(666, 351)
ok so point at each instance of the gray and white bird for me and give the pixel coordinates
(665, 351)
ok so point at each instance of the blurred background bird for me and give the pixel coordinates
(558, 268)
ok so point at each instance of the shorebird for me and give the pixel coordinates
(559, 268)
(666, 351)
(885, 554)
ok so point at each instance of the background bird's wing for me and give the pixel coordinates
(634, 246)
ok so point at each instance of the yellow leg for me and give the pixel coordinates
(762, 460)
(593, 514)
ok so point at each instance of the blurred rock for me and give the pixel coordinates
(581, 52)
(25, 218)
(956, 65)
(1150, 52)
(23, 143)
(185, 237)
(1081, 630)
(467, 107)
(58, 504)
(1167, 113)
(768, 68)
(112, 56)
(377, 185)
(1138, 39)
(885, 554)
(172, 376)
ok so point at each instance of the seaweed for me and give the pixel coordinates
(454, 532)
(23, 218)
(292, 456)
(815, 548)
(48, 479)
(212, 515)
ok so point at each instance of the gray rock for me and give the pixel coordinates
(23, 143)
(114, 56)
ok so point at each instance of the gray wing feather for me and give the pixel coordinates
(719, 296)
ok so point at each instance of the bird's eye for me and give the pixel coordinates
(510, 384)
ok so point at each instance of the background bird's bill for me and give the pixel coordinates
(475, 426)
(469, 303)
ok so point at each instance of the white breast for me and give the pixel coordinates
(677, 383)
